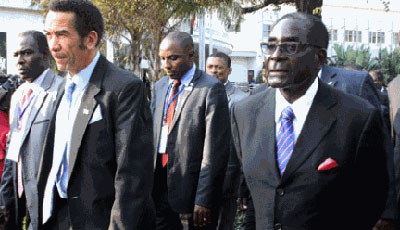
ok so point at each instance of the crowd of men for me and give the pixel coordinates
(309, 149)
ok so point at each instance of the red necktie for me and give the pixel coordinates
(23, 106)
(170, 114)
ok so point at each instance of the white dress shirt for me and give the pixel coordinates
(65, 123)
(300, 108)
(36, 89)
(185, 82)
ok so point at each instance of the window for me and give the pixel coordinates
(359, 36)
(381, 37)
(352, 36)
(3, 53)
(376, 37)
(395, 38)
(333, 35)
(265, 32)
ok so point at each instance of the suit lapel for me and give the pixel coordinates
(184, 96)
(160, 103)
(229, 88)
(318, 122)
(46, 160)
(85, 111)
(38, 102)
(267, 148)
(329, 76)
(229, 91)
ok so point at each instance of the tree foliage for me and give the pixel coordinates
(388, 62)
(143, 24)
(306, 6)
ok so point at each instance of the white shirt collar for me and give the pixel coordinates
(82, 78)
(188, 77)
(300, 107)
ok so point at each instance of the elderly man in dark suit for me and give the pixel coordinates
(219, 66)
(312, 156)
(32, 106)
(191, 136)
(96, 170)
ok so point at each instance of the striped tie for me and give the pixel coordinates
(285, 139)
(22, 107)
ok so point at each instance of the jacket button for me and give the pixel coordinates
(278, 226)
(280, 192)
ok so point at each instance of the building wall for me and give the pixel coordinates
(340, 15)
(247, 40)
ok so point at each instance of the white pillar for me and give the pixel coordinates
(110, 51)
(202, 44)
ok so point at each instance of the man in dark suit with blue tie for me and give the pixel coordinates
(97, 165)
(312, 156)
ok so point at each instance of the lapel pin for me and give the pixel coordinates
(332, 83)
(85, 111)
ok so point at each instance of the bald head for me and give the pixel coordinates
(176, 53)
(182, 39)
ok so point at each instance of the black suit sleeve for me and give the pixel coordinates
(369, 91)
(371, 175)
(216, 148)
(134, 157)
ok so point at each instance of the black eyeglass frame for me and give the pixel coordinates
(284, 47)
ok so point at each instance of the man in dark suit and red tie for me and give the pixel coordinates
(97, 166)
(313, 157)
(191, 139)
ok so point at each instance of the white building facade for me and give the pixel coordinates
(350, 23)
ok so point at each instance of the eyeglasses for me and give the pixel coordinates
(289, 48)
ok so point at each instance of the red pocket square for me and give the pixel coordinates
(327, 164)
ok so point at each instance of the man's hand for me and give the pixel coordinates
(383, 224)
(201, 216)
(242, 203)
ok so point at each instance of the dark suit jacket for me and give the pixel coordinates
(353, 82)
(233, 172)
(29, 146)
(394, 97)
(340, 126)
(110, 165)
(198, 142)
(360, 83)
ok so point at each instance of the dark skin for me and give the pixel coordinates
(31, 62)
(177, 59)
(293, 74)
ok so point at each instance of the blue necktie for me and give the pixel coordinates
(285, 139)
(62, 175)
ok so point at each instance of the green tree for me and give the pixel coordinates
(350, 56)
(144, 23)
(388, 63)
